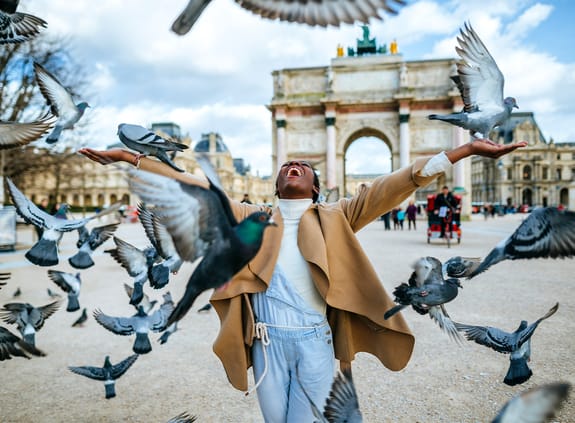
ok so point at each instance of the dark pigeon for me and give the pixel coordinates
(148, 143)
(206, 307)
(183, 418)
(27, 318)
(170, 330)
(546, 233)
(4, 277)
(88, 241)
(480, 83)
(517, 344)
(427, 292)
(82, 319)
(12, 346)
(70, 284)
(202, 224)
(460, 267)
(108, 374)
(16, 27)
(16, 134)
(145, 302)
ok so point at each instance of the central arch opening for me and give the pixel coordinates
(365, 158)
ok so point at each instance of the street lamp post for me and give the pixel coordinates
(501, 171)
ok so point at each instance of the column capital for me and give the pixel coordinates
(281, 123)
(403, 117)
(329, 121)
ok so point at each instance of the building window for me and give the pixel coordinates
(527, 173)
(558, 156)
(545, 173)
(559, 173)
(509, 174)
(573, 174)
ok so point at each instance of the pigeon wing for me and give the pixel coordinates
(131, 258)
(118, 325)
(38, 315)
(440, 316)
(147, 220)
(15, 134)
(11, 313)
(92, 372)
(57, 97)
(27, 209)
(66, 281)
(184, 417)
(525, 334)
(122, 367)
(342, 404)
(12, 346)
(101, 234)
(487, 336)
(18, 27)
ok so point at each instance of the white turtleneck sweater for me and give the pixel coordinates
(290, 260)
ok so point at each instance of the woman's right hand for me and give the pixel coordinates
(108, 156)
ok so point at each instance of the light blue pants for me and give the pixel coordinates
(299, 352)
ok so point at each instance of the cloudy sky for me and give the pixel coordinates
(218, 76)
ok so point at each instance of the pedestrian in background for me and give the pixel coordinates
(411, 215)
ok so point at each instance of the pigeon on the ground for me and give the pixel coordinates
(314, 13)
(18, 134)
(108, 374)
(140, 324)
(27, 318)
(88, 241)
(137, 262)
(12, 346)
(60, 101)
(145, 302)
(460, 267)
(535, 405)
(148, 143)
(546, 233)
(45, 251)
(52, 294)
(427, 292)
(161, 240)
(206, 307)
(480, 83)
(514, 343)
(17, 293)
(70, 284)
(202, 224)
(82, 319)
(184, 417)
(16, 27)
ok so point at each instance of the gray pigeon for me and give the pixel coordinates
(108, 374)
(161, 240)
(60, 101)
(535, 405)
(148, 143)
(45, 251)
(88, 241)
(314, 13)
(16, 27)
(16, 134)
(547, 233)
(140, 324)
(174, 326)
(144, 302)
(460, 267)
(12, 346)
(517, 344)
(427, 292)
(82, 319)
(183, 418)
(70, 284)
(27, 318)
(480, 83)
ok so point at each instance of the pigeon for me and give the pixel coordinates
(514, 343)
(148, 143)
(109, 373)
(460, 267)
(321, 13)
(12, 346)
(206, 307)
(82, 319)
(137, 262)
(427, 292)
(535, 405)
(168, 332)
(161, 240)
(45, 251)
(202, 224)
(546, 233)
(70, 284)
(480, 83)
(52, 294)
(140, 324)
(16, 27)
(144, 302)
(27, 318)
(88, 241)
(17, 134)
(60, 101)
(17, 293)
(183, 418)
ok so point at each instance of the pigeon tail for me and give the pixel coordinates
(110, 389)
(30, 339)
(81, 260)
(159, 276)
(393, 311)
(55, 135)
(44, 253)
(189, 16)
(164, 338)
(137, 293)
(518, 372)
(142, 344)
(73, 303)
(459, 119)
(164, 158)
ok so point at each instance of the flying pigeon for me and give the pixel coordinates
(480, 83)
(148, 143)
(144, 302)
(60, 101)
(27, 318)
(161, 240)
(174, 326)
(17, 134)
(12, 346)
(45, 251)
(82, 319)
(109, 373)
(70, 284)
(427, 292)
(460, 267)
(517, 344)
(183, 418)
(546, 233)
(201, 224)
(314, 13)
(16, 27)
(140, 324)
(535, 405)
(88, 241)
(137, 262)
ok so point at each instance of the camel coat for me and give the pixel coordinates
(342, 273)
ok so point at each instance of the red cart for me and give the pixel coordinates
(452, 222)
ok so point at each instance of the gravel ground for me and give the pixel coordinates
(443, 382)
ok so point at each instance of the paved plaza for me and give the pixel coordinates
(443, 382)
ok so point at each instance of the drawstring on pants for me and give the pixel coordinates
(261, 333)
